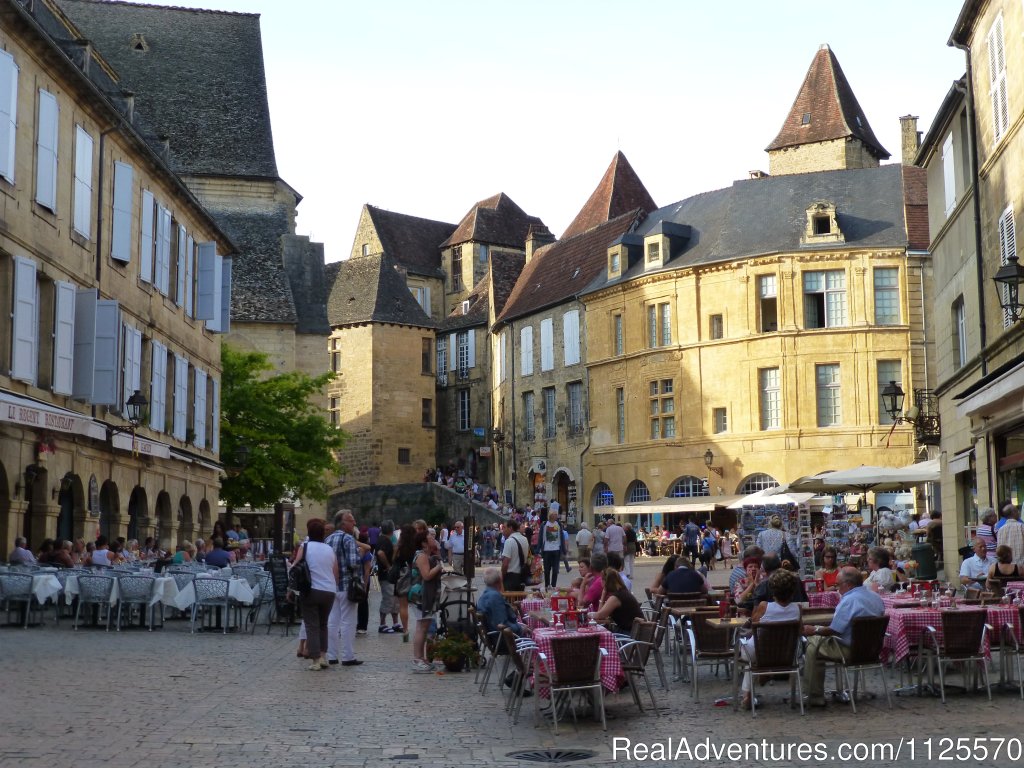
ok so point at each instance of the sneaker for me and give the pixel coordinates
(396, 628)
(438, 664)
(385, 630)
(421, 666)
(315, 666)
(360, 631)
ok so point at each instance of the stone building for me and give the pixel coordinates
(113, 285)
(760, 322)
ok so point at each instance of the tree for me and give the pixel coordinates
(272, 421)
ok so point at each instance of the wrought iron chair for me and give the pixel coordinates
(17, 588)
(865, 653)
(575, 667)
(135, 590)
(1011, 651)
(776, 652)
(211, 594)
(520, 656)
(635, 653)
(709, 647)
(963, 642)
(95, 591)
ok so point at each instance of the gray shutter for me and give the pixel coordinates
(46, 150)
(162, 270)
(426, 301)
(225, 296)
(526, 350)
(8, 114)
(85, 344)
(82, 218)
(215, 417)
(132, 372)
(64, 338)
(571, 337)
(25, 320)
(453, 351)
(121, 227)
(146, 238)
(547, 350)
(471, 341)
(179, 293)
(105, 367)
(158, 388)
(190, 261)
(180, 397)
(199, 414)
(206, 282)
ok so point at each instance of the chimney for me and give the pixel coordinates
(758, 174)
(910, 139)
(537, 236)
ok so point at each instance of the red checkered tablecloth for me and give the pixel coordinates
(1014, 586)
(535, 604)
(823, 599)
(901, 600)
(906, 626)
(612, 677)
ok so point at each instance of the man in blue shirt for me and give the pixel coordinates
(341, 624)
(691, 537)
(494, 609)
(856, 601)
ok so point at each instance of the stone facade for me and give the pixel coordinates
(821, 156)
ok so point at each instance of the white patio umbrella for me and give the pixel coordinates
(866, 478)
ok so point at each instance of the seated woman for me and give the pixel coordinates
(619, 604)
(783, 586)
(579, 585)
(594, 590)
(748, 583)
(1003, 571)
(880, 577)
(666, 569)
(829, 571)
(61, 555)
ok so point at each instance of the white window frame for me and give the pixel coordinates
(25, 321)
(529, 416)
(547, 344)
(720, 420)
(620, 414)
(64, 337)
(770, 387)
(889, 291)
(665, 323)
(442, 359)
(47, 138)
(465, 416)
(8, 115)
(82, 202)
(131, 367)
(828, 394)
(618, 334)
(158, 387)
(831, 283)
(574, 394)
(526, 350)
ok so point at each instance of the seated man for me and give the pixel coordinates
(855, 601)
(975, 568)
(21, 554)
(494, 609)
(219, 557)
(683, 579)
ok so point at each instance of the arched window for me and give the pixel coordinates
(637, 493)
(688, 486)
(758, 482)
(603, 496)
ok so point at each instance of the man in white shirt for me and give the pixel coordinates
(615, 538)
(584, 541)
(443, 538)
(21, 554)
(976, 567)
(457, 546)
(513, 556)
(1012, 536)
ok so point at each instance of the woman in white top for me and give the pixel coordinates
(783, 584)
(880, 578)
(317, 603)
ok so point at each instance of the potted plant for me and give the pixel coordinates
(454, 650)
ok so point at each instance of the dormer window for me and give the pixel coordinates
(806, 119)
(465, 307)
(614, 263)
(653, 253)
(822, 225)
(138, 42)
(366, 249)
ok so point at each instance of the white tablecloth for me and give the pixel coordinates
(165, 590)
(45, 586)
(238, 589)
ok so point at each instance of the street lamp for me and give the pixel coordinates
(709, 460)
(892, 398)
(1009, 279)
(136, 408)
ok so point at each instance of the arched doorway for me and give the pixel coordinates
(205, 523)
(138, 509)
(164, 521)
(186, 525)
(34, 523)
(66, 502)
(110, 509)
(563, 490)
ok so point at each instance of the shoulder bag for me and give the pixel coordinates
(356, 586)
(299, 577)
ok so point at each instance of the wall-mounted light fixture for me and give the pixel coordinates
(709, 460)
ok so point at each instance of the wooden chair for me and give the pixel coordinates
(776, 652)
(519, 654)
(635, 653)
(963, 641)
(865, 653)
(575, 667)
(709, 646)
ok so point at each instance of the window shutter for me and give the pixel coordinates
(25, 319)
(571, 336)
(948, 178)
(179, 293)
(471, 343)
(46, 150)
(426, 301)
(8, 114)
(121, 227)
(85, 344)
(547, 341)
(132, 373)
(453, 351)
(199, 415)
(190, 261)
(997, 79)
(64, 338)
(225, 296)
(83, 182)
(146, 238)
(158, 388)
(502, 361)
(105, 366)
(215, 416)
(206, 308)
(180, 397)
(162, 272)
(526, 350)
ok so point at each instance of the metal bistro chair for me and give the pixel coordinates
(776, 652)
(488, 642)
(520, 656)
(17, 588)
(635, 652)
(869, 634)
(212, 594)
(963, 641)
(95, 591)
(264, 591)
(1011, 650)
(135, 590)
(709, 647)
(576, 667)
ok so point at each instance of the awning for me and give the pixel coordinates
(140, 445)
(961, 462)
(1000, 390)
(672, 505)
(761, 498)
(32, 413)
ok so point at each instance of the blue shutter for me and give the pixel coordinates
(215, 417)
(105, 367)
(25, 320)
(179, 293)
(46, 150)
(121, 227)
(132, 372)
(225, 296)
(82, 218)
(146, 238)
(206, 282)
(471, 340)
(85, 344)
(64, 338)
(8, 114)
(158, 388)
(190, 261)
(199, 414)
(180, 425)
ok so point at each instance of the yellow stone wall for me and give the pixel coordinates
(822, 156)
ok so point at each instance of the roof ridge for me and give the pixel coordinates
(164, 7)
(620, 189)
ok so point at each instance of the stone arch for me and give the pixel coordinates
(37, 496)
(186, 521)
(110, 509)
(602, 496)
(637, 492)
(166, 524)
(138, 514)
(563, 489)
(205, 522)
(758, 481)
(686, 486)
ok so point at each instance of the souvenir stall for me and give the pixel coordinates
(755, 514)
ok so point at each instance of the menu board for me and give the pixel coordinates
(283, 607)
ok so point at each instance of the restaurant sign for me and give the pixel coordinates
(17, 410)
(128, 442)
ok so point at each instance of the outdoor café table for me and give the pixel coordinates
(906, 627)
(612, 677)
(904, 600)
(531, 608)
(45, 586)
(823, 599)
(165, 590)
(238, 590)
(1014, 586)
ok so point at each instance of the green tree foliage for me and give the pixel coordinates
(291, 446)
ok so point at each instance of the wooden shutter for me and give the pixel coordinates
(25, 321)
(64, 338)
(997, 79)
(83, 182)
(162, 270)
(105, 366)
(8, 114)
(158, 387)
(180, 425)
(190, 261)
(571, 337)
(46, 150)
(215, 416)
(453, 351)
(179, 288)
(132, 371)
(526, 350)
(224, 326)
(547, 344)
(85, 344)
(471, 343)
(199, 414)
(502, 360)
(948, 176)
(206, 297)
(121, 225)
(1007, 248)
(146, 238)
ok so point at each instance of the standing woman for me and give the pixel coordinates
(428, 564)
(365, 569)
(630, 552)
(404, 553)
(317, 603)
(551, 544)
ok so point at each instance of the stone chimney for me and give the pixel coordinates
(537, 236)
(758, 174)
(910, 139)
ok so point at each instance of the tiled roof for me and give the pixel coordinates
(495, 221)
(505, 271)
(832, 111)
(412, 242)
(370, 289)
(915, 193)
(201, 81)
(562, 270)
(768, 215)
(479, 309)
(619, 191)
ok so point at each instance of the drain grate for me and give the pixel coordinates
(551, 755)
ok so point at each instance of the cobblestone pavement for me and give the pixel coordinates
(168, 698)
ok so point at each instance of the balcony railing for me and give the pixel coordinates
(442, 379)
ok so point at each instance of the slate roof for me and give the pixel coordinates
(304, 265)
(505, 271)
(201, 82)
(412, 242)
(915, 194)
(827, 97)
(768, 215)
(562, 270)
(495, 221)
(479, 309)
(370, 289)
(620, 190)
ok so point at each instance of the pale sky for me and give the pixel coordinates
(426, 107)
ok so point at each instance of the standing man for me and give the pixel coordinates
(385, 555)
(457, 546)
(443, 539)
(341, 624)
(615, 538)
(691, 541)
(513, 558)
(1012, 535)
(584, 540)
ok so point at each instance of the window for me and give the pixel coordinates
(620, 414)
(529, 416)
(526, 350)
(887, 295)
(180, 424)
(162, 259)
(688, 486)
(574, 392)
(83, 182)
(716, 327)
(614, 263)
(426, 356)
(146, 240)
(502, 356)
(653, 252)
(335, 402)
(547, 344)
(46, 150)
(404, 456)
(888, 370)
(442, 360)
(464, 421)
(959, 334)
(549, 413)
(427, 406)
(1007, 249)
(571, 337)
(768, 303)
(652, 326)
(825, 299)
(805, 119)
(63, 338)
(617, 332)
(158, 387)
(25, 321)
(638, 493)
(997, 80)
(464, 342)
(366, 249)
(8, 114)
(457, 268)
(603, 496)
(830, 411)
(720, 418)
(422, 295)
(758, 482)
(665, 316)
(948, 175)
(771, 397)
(181, 270)
(131, 370)
(336, 355)
(482, 254)
(822, 225)
(662, 409)
(659, 325)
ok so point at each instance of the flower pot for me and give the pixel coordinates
(456, 664)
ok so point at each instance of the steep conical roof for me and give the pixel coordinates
(826, 109)
(619, 192)
(495, 221)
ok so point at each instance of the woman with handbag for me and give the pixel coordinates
(424, 593)
(316, 602)
(400, 575)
